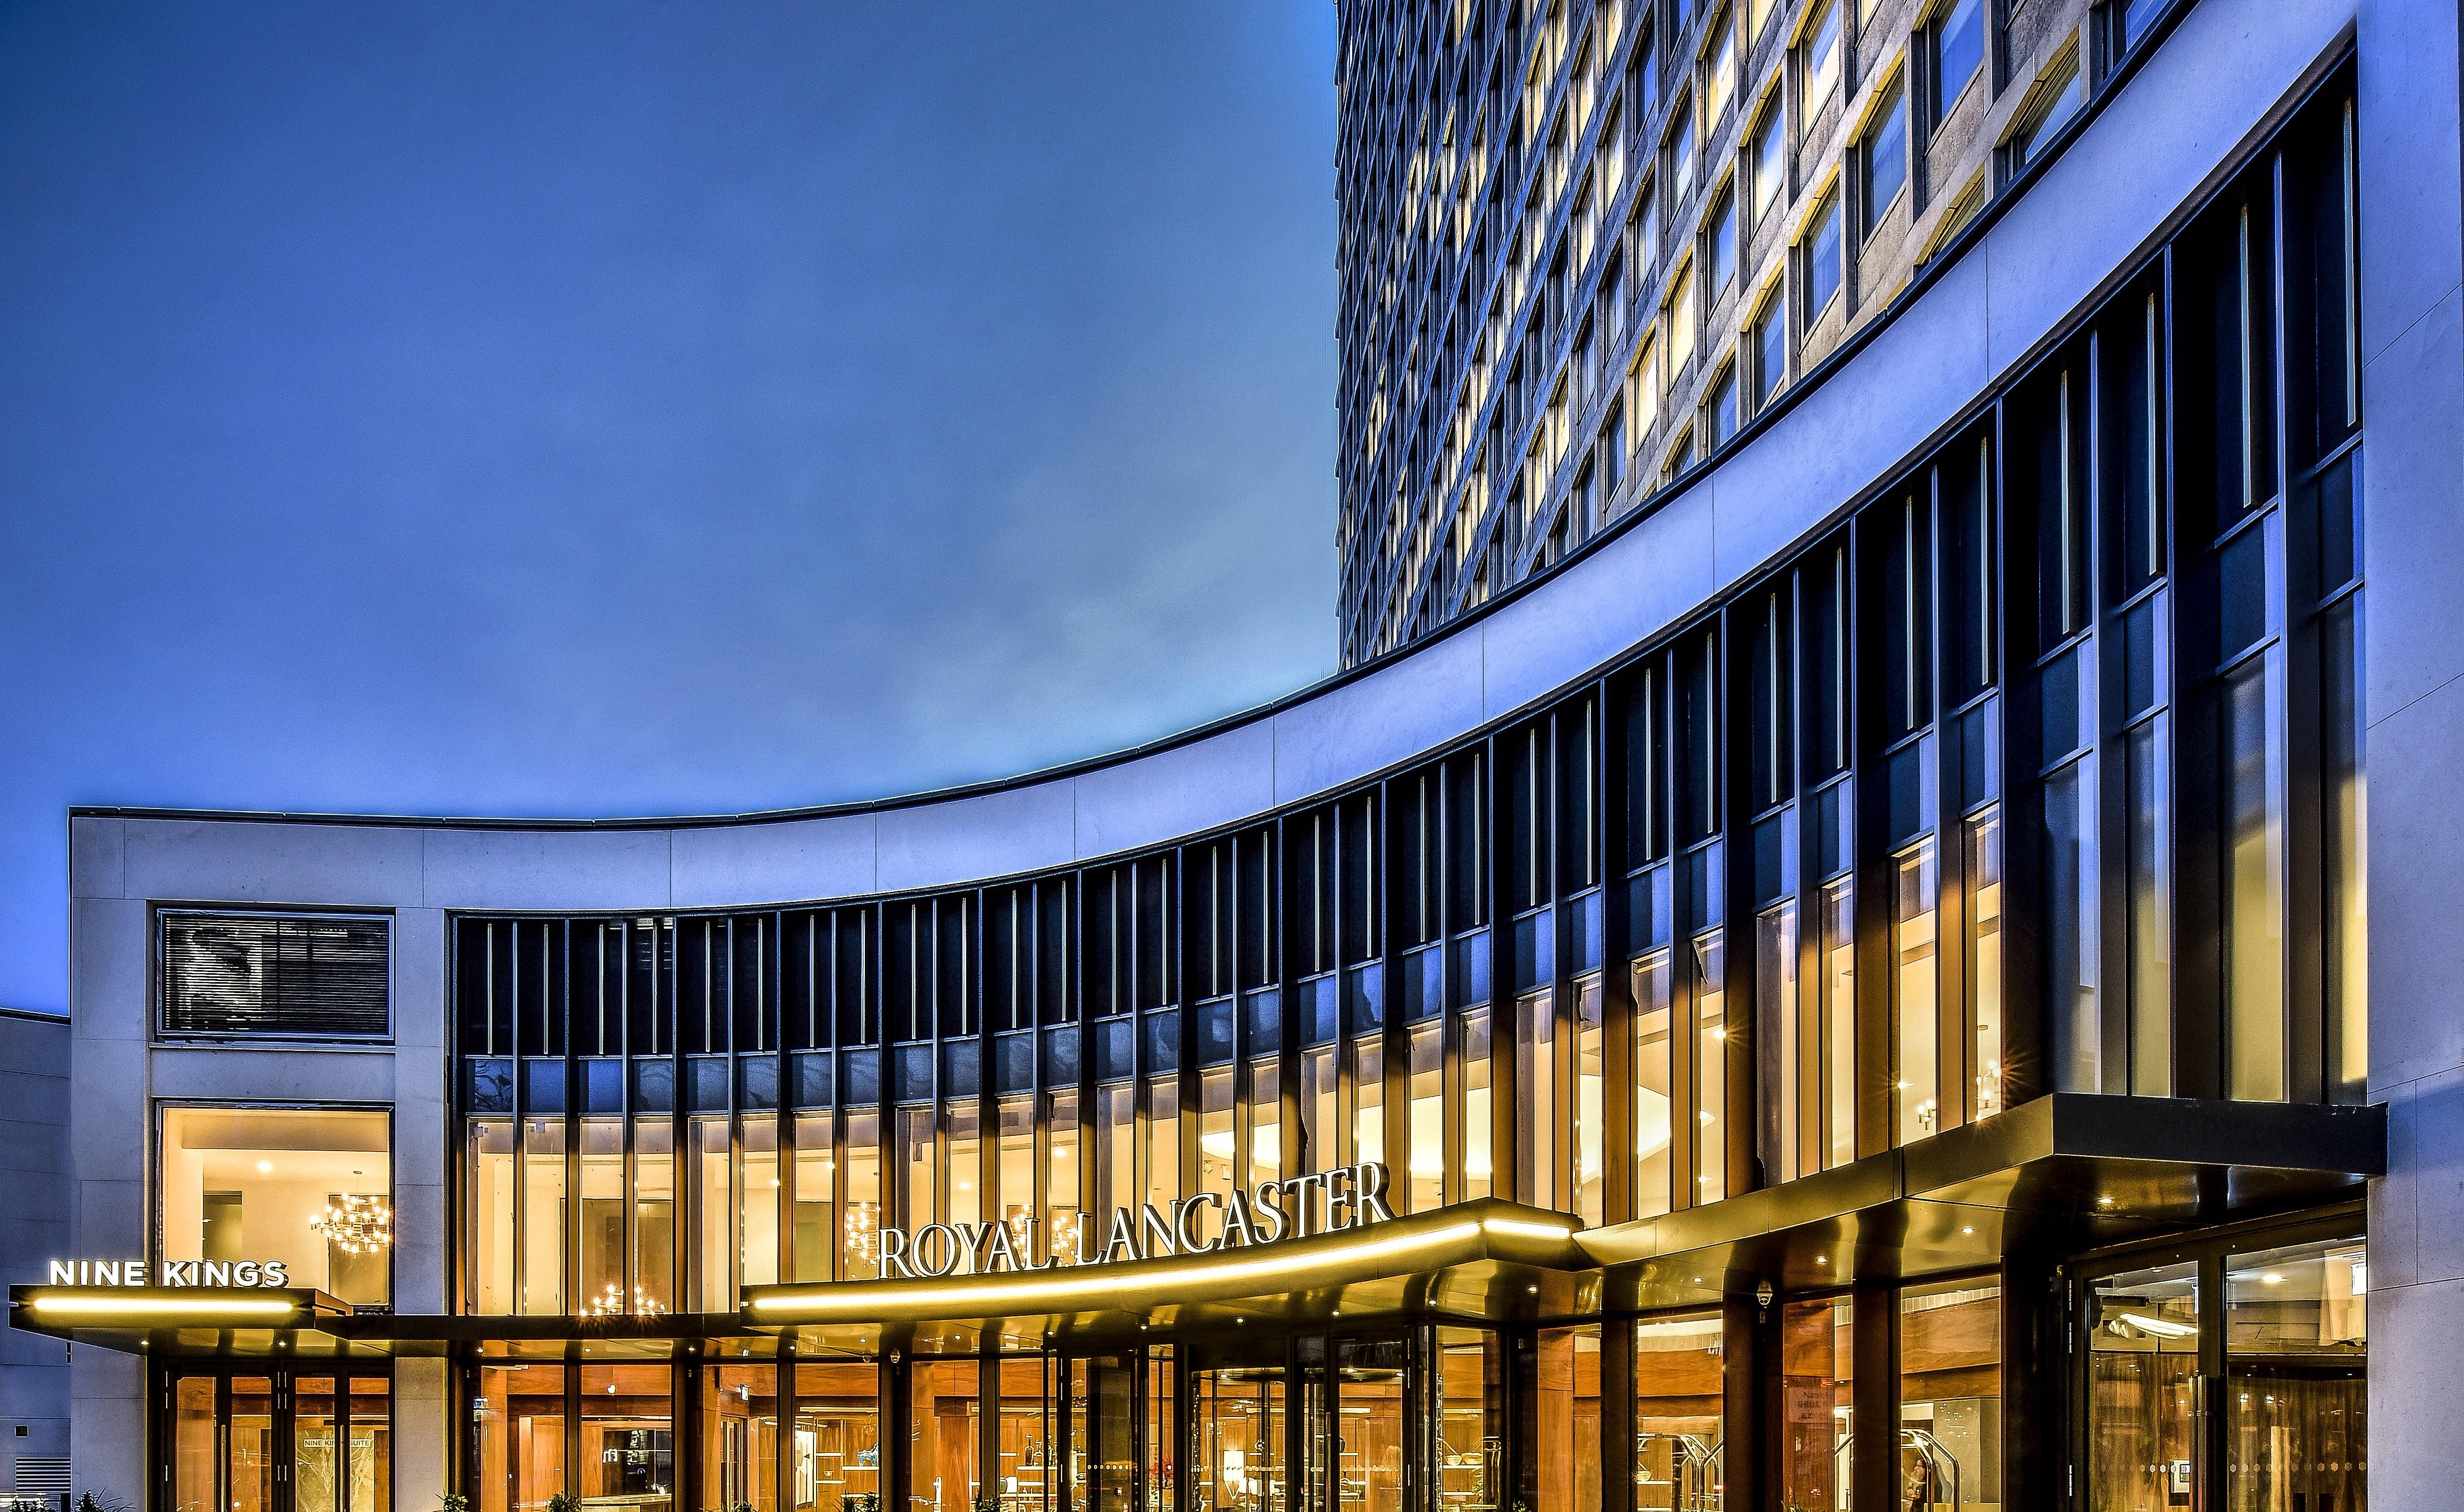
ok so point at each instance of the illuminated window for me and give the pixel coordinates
(308, 1189)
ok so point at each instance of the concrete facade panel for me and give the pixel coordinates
(2411, 196)
(1392, 714)
(2413, 546)
(789, 861)
(272, 1075)
(562, 869)
(1201, 785)
(2415, 832)
(205, 861)
(97, 860)
(1600, 606)
(2416, 1378)
(968, 839)
(109, 948)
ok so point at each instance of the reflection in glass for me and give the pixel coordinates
(2070, 928)
(1837, 1032)
(278, 1184)
(942, 1414)
(654, 1213)
(196, 1446)
(517, 1416)
(1566, 1419)
(966, 1201)
(1792, 1064)
(1653, 1105)
(834, 1459)
(367, 1471)
(628, 1452)
(1469, 1444)
(1711, 1069)
(312, 1442)
(1951, 1395)
(739, 1436)
(757, 1184)
(1817, 1414)
(1219, 1149)
(1016, 1173)
(542, 1206)
(1918, 1083)
(1321, 1109)
(1480, 1146)
(602, 1218)
(816, 1199)
(1428, 1117)
(2297, 1358)
(1163, 1142)
(1117, 1149)
(2254, 886)
(1265, 1121)
(491, 1236)
(1677, 1415)
(2142, 1356)
(1535, 1086)
(1369, 1099)
(859, 1232)
(1061, 1178)
(1982, 866)
(1236, 1439)
(715, 1218)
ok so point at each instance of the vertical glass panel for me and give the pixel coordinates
(2143, 1358)
(966, 1202)
(943, 1414)
(739, 1437)
(367, 1470)
(2254, 886)
(628, 1448)
(1321, 1109)
(1369, 1099)
(1237, 1436)
(1836, 1033)
(1568, 1451)
(1427, 1157)
(1787, 1056)
(491, 1234)
(816, 1197)
(715, 1213)
(1061, 1176)
(517, 1415)
(1265, 1121)
(1711, 1069)
(757, 1188)
(1117, 1149)
(859, 1232)
(1591, 1143)
(919, 1167)
(654, 1215)
(835, 1458)
(196, 1445)
(1022, 1475)
(2296, 1362)
(1540, 1179)
(314, 1462)
(1016, 1173)
(1218, 1147)
(312, 1188)
(1817, 1415)
(1163, 1142)
(1480, 1143)
(1159, 1421)
(1469, 1412)
(1654, 1104)
(542, 1216)
(2147, 838)
(1981, 838)
(1919, 1006)
(250, 1468)
(1951, 1395)
(2070, 928)
(602, 1218)
(1677, 1416)
(2341, 812)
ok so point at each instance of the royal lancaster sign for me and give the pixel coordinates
(170, 1273)
(1347, 1197)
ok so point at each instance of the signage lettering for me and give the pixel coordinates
(170, 1273)
(1326, 1202)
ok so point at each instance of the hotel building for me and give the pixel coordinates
(1844, 976)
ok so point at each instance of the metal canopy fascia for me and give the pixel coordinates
(2057, 1175)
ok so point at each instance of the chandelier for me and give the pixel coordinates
(611, 1303)
(355, 1223)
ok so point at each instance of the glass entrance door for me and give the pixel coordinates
(279, 1441)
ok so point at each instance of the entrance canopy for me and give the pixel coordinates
(2055, 1176)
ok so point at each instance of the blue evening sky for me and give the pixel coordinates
(636, 409)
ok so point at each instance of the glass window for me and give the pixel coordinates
(1837, 1032)
(1567, 1419)
(860, 1235)
(1776, 1019)
(1679, 153)
(2143, 1359)
(1677, 1415)
(1720, 243)
(1822, 252)
(2132, 21)
(1982, 868)
(964, 1123)
(1918, 1086)
(1591, 1146)
(1428, 1120)
(1679, 310)
(1369, 1099)
(1711, 1069)
(2058, 99)
(1163, 1142)
(308, 1189)
(739, 1436)
(602, 1218)
(1884, 155)
(1951, 1395)
(757, 1184)
(1771, 350)
(835, 1458)
(1536, 1116)
(1770, 168)
(518, 1436)
(943, 1414)
(1219, 1149)
(1116, 1149)
(1817, 1412)
(1479, 1108)
(1653, 1105)
(816, 1216)
(706, 1138)
(628, 1452)
(1820, 63)
(1957, 42)
(1265, 1120)
(1014, 1174)
(1719, 73)
(2254, 866)
(1321, 1109)
(2296, 1364)
(1470, 1417)
(1061, 1166)
(2070, 927)
(1720, 411)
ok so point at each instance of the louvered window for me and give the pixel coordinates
(296, 976)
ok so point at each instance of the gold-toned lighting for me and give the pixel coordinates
(355, 1223)
(108, 1308)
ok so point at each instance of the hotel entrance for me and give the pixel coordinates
(281, 1439)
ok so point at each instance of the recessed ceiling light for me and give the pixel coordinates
(264, 1167)
(1967, 1231)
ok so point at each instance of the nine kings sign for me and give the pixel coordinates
(1300, 1207)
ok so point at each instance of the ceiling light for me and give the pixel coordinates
(264, 1167)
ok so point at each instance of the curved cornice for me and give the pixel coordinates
(2011, 283)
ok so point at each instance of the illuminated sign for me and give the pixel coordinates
(170, 1273)
(1327, 1202)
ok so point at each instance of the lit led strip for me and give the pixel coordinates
(964, 1295)
(204, 1308)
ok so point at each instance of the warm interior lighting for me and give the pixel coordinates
(355, 1223)
(2164, 1327)
(112, 1307)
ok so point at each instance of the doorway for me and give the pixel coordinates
(282, 1438)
